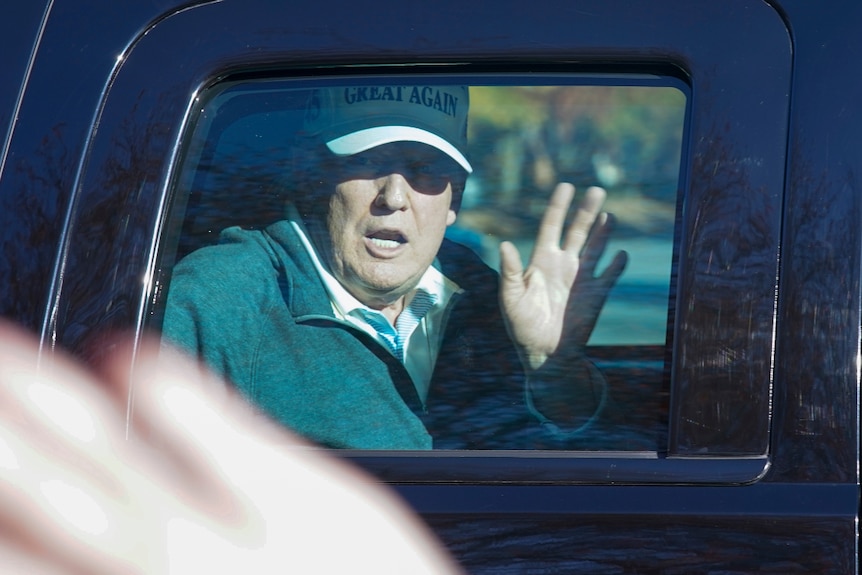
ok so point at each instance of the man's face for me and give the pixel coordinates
(386, 219)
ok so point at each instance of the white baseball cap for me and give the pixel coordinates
(353, 119)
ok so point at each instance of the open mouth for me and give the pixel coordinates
(387, 239)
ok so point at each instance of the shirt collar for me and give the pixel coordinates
(433, 282)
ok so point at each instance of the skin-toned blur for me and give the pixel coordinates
(199, 482)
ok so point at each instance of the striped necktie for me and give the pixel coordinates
(407, 321)
(410, 318)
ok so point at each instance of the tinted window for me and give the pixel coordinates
(623, 133)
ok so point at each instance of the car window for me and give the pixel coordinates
(244, 156)
(702, 402)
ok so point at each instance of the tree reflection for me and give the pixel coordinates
(112, 230)
(817, 378)
(31, 239)
(729, 269)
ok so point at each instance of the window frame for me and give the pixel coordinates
(722, 363)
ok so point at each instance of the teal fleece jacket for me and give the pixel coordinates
(255, 310)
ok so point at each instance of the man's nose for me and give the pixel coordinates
(394, 192)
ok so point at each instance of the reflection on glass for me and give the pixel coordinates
(245, 166)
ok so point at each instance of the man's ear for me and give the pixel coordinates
(451, 217)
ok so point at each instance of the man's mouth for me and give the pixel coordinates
(387, 239)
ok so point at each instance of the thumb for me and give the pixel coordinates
(511, 274)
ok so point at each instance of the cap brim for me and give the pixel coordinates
(362, 140)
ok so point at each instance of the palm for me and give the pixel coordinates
(554, 303)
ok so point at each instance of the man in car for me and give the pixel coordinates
(354, 322)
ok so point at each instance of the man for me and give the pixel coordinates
(356, 324)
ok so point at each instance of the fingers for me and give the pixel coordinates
(33, 510)
(56, 514)
(612, 273)
(283, 493)
(190, 420)
(281, 505)
(18, 558)
(64, 508)
(585, 216)
(511, 267)
(49, 400)
(595, 248)
(69, 483)
(512, 286)
(554, 218)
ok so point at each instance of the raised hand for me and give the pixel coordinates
(551, 307)
(202, 485)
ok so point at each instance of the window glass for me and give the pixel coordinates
(626, 139)
(326, 186)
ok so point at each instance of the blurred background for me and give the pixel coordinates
(627, 139)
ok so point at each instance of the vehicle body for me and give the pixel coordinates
(761, 467)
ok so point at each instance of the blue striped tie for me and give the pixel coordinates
(404, 325)
(410, 318)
